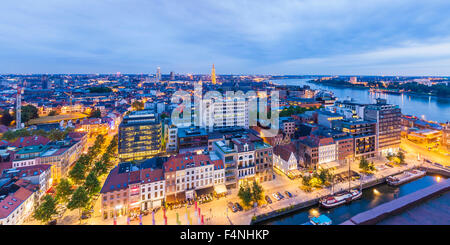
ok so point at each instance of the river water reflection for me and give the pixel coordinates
(371, 198)
(426, 107)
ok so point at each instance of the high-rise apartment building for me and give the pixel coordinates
(388, 125)
(229, 112)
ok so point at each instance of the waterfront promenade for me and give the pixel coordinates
(385, 210)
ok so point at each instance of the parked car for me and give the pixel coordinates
(288, 193)
(232, 207)
(85, 216)
(276, 196)
(268, 200)
(53, 222)
(239, 207)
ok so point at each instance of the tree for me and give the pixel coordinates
(365, 166)
(100, 168)
(46, 210)
(137, 105)
(245, 194)
(257, 192)
(6, 118)
(53, 113)
(64, 190)
(77, 172)
(96, 113)
(56, 135)
(29, 112)
(79, 200)
(92, 184)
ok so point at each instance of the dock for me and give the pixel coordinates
(396, 206)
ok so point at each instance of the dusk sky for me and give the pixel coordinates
(240, 37)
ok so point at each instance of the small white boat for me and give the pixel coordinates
(405, 177)
(340, 198)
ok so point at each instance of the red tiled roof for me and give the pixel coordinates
(181, 160)
(149, 175)
(14, 200)
(115, 181)
(284, 151)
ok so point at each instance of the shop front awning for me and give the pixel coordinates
(329, 165)
(220, 189)
(204, 191)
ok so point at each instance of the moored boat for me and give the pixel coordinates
(404, 177)
(340, 198)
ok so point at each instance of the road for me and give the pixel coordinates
(423, 152)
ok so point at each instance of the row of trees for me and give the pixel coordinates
(88, 185)
(53, 135)
(250, 193)
(28, 112)
(399, 157)
(292, 110)
(317, 179)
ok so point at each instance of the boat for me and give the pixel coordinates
(340, 198)
(321, 220)
(404, 177)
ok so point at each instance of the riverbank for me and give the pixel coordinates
(386, 91)
(396, 206)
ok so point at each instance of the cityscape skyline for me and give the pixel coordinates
(411, 38)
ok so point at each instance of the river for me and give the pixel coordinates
(371, 198)
(426, 107)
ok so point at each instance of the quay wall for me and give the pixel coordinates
(292, 208)
(377, 214)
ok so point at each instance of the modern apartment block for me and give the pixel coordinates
(246, 158)
(388, 118)
(223, 114)
(139, 136)
(363, 133)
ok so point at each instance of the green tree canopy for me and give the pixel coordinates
(92, 184)
(245, 194)
(6, 118)
(29, 112)
(79, 200)
(137, 105)
(64, 190)
(96, 114)
(257, 192)
(77, 172)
